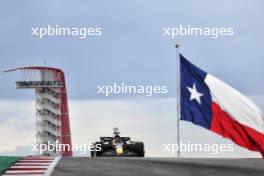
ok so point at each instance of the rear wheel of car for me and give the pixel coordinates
(95, 153)
(92, 153)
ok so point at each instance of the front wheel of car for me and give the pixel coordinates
(139, 149)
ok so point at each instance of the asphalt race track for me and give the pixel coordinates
(158, 166)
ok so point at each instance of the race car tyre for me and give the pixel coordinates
(139, 149)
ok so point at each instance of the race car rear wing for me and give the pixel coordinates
(111, 138)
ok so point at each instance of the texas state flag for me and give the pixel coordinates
(212, 104)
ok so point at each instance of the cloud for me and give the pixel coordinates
(135, 44)
(13, 135)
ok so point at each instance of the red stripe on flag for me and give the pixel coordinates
(225, 125)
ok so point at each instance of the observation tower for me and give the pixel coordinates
(52, 115)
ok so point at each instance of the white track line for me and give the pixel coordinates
(52, 166)
(25, 175)
(21, 167)
(22, 171)
(43, 161)
(32, 164)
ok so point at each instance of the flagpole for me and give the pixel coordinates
(178, 84)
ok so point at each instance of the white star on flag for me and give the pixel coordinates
(195, 94)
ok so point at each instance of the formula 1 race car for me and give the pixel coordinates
(118, 146)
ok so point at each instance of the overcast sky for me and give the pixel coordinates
(132, 50)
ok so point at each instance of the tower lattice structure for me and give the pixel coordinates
(52, 115)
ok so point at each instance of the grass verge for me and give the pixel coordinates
(6, 162)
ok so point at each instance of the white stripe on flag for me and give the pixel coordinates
(237, 105)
